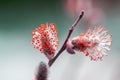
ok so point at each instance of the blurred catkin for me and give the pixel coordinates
(42, 71)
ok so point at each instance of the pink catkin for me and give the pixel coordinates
(45, 39)
(95, 43)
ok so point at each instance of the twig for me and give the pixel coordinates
(67, 38)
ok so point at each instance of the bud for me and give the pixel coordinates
(69, 47)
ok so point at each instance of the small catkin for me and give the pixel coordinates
(42, 72)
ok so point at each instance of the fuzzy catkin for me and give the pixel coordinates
(42, 71)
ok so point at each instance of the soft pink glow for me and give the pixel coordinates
(93, 14)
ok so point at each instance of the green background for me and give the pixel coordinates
(18, 59)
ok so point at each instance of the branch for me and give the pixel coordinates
(67, 38)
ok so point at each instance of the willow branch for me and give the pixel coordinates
(67, 38)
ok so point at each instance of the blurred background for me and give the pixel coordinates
(18, 18)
